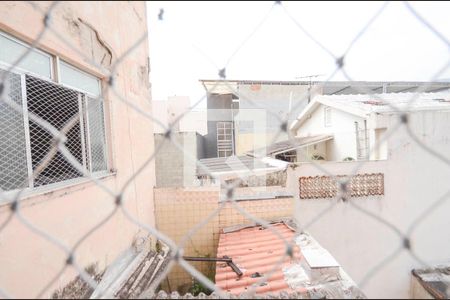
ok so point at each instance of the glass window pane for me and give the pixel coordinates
(96, 131)
(34, 62)
(75, 78)
(13, 156)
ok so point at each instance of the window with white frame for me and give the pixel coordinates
(224, 139)
(24, 144)
(14, 52)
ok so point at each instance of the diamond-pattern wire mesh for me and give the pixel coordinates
(55, 105)
(57, 131)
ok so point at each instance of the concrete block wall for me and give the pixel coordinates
(168, 161)
(175, 167)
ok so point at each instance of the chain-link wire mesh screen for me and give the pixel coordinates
(51, 133)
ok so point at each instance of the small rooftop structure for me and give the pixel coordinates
(363, 105)
(235, 166)
(262, 257)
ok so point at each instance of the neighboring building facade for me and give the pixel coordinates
(58, 83)
(356, 124)
(407, 190)
(176, 167)
(241, 107)
(170, 111)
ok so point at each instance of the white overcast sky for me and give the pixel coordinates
(195, 39)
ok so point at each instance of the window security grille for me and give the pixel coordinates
(56, 105)
(224, 139)
(27, 143)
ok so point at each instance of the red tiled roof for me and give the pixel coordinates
(255, 250)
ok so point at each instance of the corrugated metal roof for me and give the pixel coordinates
(330, 87)
(255, 251)
(292, 144)
(379, 102)
(237, 165)
(363, 105)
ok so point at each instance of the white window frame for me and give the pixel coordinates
(21, 70)
(31, 189)
(222, 151)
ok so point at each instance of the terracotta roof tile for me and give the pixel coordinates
(256, 251)
(266, 252)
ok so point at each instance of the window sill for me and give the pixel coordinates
(60, 188)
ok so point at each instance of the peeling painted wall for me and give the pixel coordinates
(102, 31)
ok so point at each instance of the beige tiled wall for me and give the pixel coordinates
(177, 210)
(266, 209)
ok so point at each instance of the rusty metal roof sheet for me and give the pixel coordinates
(435, 280)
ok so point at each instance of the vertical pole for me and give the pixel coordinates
(358, 146)
(366, 137)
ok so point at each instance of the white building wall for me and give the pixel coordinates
(160, 114)
(166, 112)
(177, 106)
(342, 128)
(414, 181)
(194, 121)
